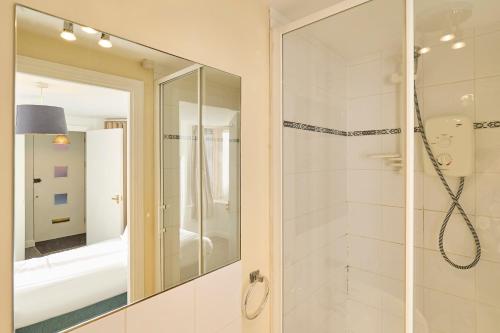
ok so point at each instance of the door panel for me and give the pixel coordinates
(58, 187)
(104, 172)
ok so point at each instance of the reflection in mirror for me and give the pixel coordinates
(95, 227)
(180, 183)
(199, 224)
(220, 119)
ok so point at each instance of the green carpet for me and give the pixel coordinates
(73, 318)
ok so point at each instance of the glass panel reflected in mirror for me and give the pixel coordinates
(220, 118)
(127, 172)
(200, 194)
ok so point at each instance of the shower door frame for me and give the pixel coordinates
(277, 35)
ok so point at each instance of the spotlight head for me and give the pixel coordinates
(67, 32)
(105, 41)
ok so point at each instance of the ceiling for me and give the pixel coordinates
(375, 27)
(77, 99)
(294, 9)
(378, 26)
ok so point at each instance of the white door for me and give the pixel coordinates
(105, 212)
(58, 187)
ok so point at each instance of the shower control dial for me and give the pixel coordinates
(451, 140)
(444, 159)
(444, 140)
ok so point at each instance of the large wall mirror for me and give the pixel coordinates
(127, 172)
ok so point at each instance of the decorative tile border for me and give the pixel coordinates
(311, 128)
(179, 137)
(375, 132)
(487, 124)
(191, 137)
(384, 131)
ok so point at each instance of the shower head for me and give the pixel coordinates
(416, 52)
(416, 55)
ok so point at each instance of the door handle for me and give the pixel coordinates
(117, 198)
(37, 180)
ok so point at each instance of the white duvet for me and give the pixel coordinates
(62, 282)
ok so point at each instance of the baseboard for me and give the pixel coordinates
(29, 243)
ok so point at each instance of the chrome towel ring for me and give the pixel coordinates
(255, 277)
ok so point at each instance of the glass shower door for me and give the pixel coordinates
(180, 226)
(343, 177)
(457, 266)
(220, 98)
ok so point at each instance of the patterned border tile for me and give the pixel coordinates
(375, 132)
(311, 128)
(179, 137)
(192, 137)
(487, 124)
(384, 131)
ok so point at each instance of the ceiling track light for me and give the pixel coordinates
(67, 32)
(89, 30)
(105, 41)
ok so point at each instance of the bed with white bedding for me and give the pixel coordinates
(66, 281)
(63, 282)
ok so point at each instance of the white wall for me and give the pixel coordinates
(19, 208)
(83, 124)
(210, 304)
(234, 38)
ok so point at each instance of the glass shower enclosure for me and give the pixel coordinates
(199, 171)
(386, 134)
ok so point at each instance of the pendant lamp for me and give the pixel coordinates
(42, 119)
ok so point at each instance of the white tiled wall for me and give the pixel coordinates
(347, 210)
(375, 198)
(343, 212)
(315, 208)
(210, 304)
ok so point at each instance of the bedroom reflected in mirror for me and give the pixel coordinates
(127, 172)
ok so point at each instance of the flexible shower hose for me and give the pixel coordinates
(454, 198)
